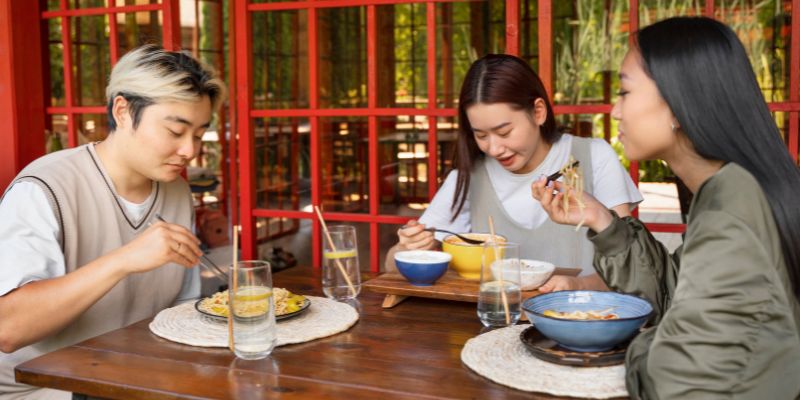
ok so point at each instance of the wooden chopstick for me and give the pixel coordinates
(333, 249)
(235, 284)
(502, 286)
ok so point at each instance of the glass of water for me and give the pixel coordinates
(499, 296)
(341, 278)
(251, 306)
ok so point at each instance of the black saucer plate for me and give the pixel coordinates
(548, 350)
(222, 318)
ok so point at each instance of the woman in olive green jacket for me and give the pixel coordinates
(726, 303)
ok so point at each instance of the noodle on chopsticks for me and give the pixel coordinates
(573, 187)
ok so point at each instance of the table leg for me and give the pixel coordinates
(392, 300)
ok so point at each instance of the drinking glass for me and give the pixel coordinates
(340, 263)
(499, 296)
(251, 308)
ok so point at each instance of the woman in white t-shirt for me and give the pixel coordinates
(507, 140)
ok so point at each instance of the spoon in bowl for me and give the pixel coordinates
(462, 237)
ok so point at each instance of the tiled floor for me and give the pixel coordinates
(660, 205)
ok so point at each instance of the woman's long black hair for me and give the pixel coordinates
(495, 78)
(703, 73)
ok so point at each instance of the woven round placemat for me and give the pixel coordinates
(500, 356)
(184, 324)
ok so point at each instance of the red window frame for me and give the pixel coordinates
(245, 113)
(171, 41)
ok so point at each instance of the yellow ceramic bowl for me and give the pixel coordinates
(466, 257)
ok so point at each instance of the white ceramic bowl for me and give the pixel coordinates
(533, 273)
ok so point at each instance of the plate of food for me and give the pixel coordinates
(287, 305)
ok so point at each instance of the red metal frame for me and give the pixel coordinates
(372, 112)
(794, 80)
(21, 87)
(171, 40)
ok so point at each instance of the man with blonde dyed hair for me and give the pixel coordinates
(81, 249)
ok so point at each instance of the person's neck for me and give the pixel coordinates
(538, 157)
(129, 185)
(693, 169)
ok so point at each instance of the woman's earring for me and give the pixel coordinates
(673, 126)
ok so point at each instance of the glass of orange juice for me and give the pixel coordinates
(341, 277)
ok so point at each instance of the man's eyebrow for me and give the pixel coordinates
(175, 118)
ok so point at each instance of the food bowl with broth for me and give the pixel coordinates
(467, 257)
(587, 321)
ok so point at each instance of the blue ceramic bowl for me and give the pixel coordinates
(588, 335)
(422, 267)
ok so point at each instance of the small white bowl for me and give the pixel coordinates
(533, 273)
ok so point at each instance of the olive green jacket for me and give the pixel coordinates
(725, 320)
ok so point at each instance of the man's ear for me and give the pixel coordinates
(120, 111)
(539, 111)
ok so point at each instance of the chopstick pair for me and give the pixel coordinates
(208, 264)
(558, 174)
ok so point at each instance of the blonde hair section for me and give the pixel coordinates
(156, 75)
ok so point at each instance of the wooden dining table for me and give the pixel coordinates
(409, 351)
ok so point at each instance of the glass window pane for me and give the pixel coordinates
(53, 5)
(529, 32)
(136, 29)
(402, 56)
(282, 161)
(651, 11)
(211, 31)
(91, 60)
(280, 59)
(403, 161)
(342, 66)
(133, 2)
(588, 125)
(57, 133)
(782, 121)
(56, 62)
(87, 3)
(190, 26)
(287, 234)
(91, 127)
(590, 38)
(764, 29)
(466, 31)
(446, 136)
(344, 164)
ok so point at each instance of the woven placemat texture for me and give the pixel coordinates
(184, 324)
(500, 356)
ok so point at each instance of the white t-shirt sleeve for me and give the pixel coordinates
(439, 213)
(29, 248)
(613, 185)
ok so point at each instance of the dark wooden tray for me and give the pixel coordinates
(449, 287)
(548, 350)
